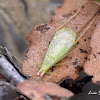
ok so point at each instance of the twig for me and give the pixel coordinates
(5, 88)
(9, 72)
(9, 69)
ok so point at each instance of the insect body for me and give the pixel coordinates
(61, 43)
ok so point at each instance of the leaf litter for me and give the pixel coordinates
(92, 66)
(36, 91)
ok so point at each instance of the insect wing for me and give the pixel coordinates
(61, 43)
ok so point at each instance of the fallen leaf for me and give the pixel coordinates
(41, 35)
(36, 91)
(70, 5)
(92, 66)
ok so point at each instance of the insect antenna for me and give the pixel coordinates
(69, 19)
(13, 55)
(79, 39)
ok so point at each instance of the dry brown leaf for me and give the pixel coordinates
(92, 66)
(70, 5)
(36, 91)
(41, 35)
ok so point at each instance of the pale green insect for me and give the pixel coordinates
(62, 42)
(60, 45)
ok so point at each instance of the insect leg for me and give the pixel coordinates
(42, 53)
(49, 76)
